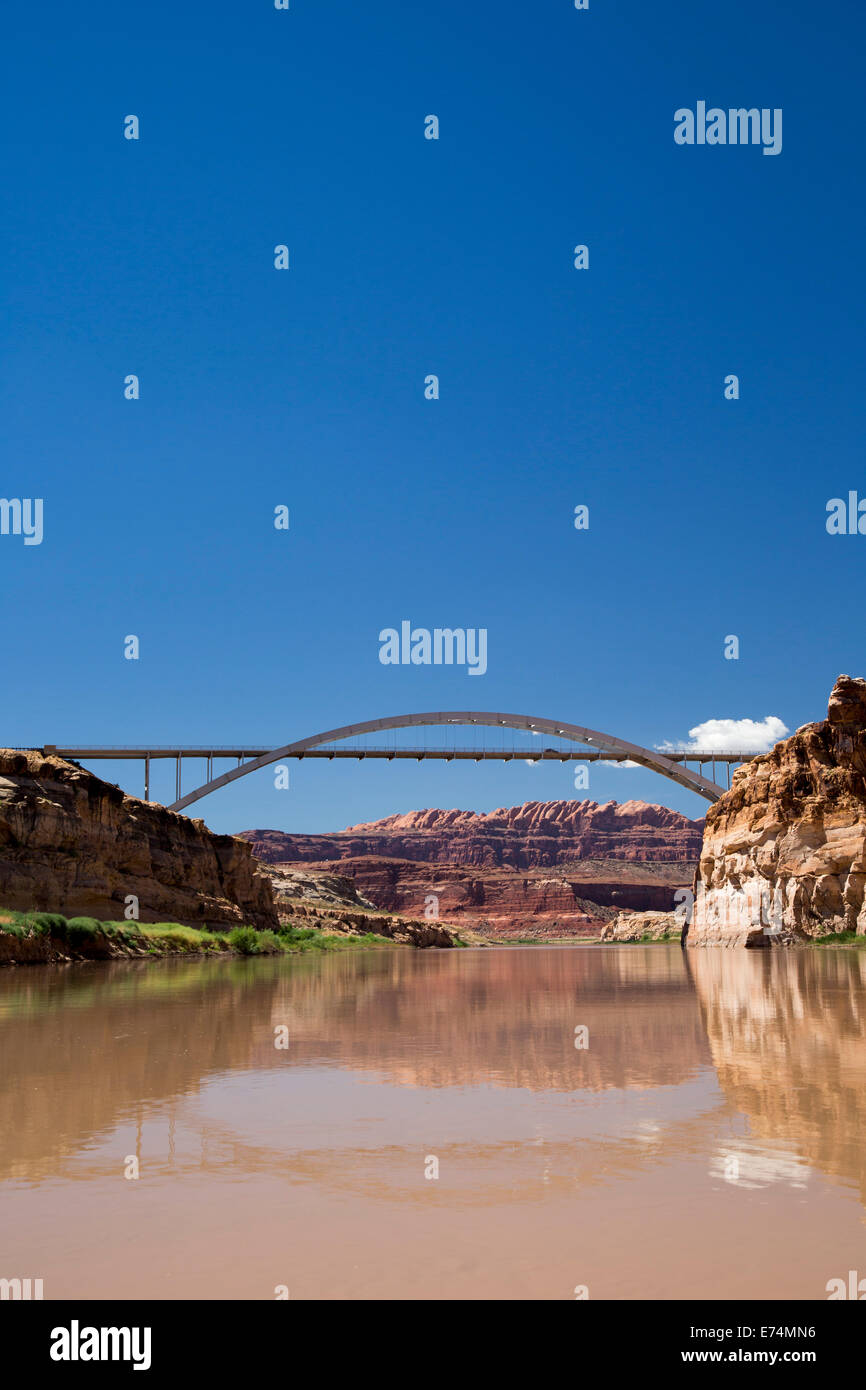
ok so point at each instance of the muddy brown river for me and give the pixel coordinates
(550, 1123)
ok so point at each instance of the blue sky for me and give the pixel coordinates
(306, 387)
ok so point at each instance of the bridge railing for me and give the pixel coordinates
(213, 750)
(532, 745)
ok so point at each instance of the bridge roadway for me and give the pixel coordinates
(244, 751)
(248, 756)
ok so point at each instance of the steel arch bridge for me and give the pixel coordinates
(593, 746)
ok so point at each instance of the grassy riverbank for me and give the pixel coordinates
(48, 937)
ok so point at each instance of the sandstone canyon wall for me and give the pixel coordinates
(543, 903)
(539, 834)
(784, 852)
(542, 870)
(332, 902)
(72, 843)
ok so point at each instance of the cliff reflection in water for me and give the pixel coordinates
(505, 1017)
(87, 1050)
(786, 1034)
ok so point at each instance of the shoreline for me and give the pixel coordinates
(51, 939)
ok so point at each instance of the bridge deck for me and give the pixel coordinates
(242, 753)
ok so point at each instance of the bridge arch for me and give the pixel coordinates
(633, 752)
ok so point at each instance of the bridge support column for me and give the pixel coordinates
(147, 777)
(177, 778)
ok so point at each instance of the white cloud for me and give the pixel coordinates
(731, 736)
(627, 763)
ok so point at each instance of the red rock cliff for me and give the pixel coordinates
(512, 902)
(72, 843)
(539, 834)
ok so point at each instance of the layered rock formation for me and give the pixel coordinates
(72, 843)
(331, 902)
(539, 834)
(643, 926)
(784, 852)
(544, 903)
(543, 870)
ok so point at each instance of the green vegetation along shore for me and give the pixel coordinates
(36, 938)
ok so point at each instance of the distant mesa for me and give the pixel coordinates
(535, 835)
(542, 870)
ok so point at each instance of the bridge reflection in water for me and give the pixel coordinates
(710, 1140)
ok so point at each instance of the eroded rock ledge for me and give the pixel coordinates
(72, 843)
(784, 852)
(332, 903)
(643, 926)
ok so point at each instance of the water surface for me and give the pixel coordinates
(710, 1141)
